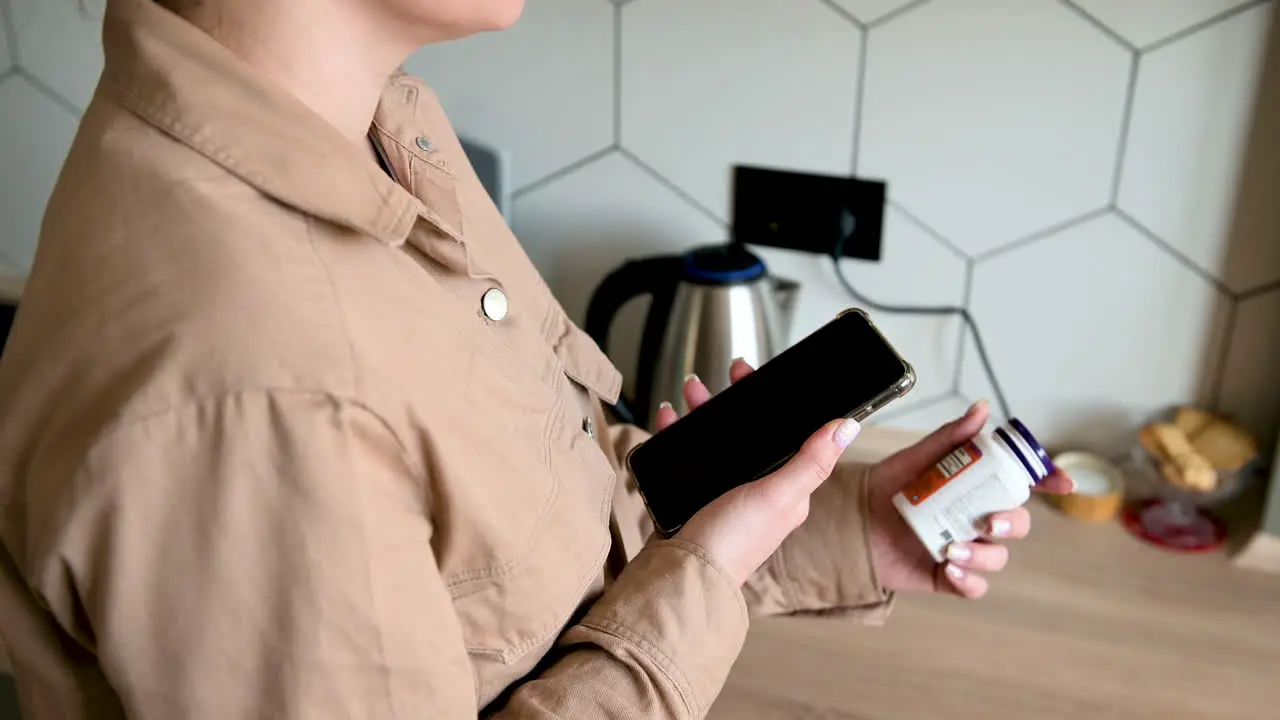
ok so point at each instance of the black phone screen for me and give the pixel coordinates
(746, 431)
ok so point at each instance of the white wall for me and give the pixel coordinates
(1086, 176)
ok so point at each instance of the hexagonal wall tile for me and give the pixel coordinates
(872, 10)
(1143, 22)
(914, 270)
(1092, 330)
(709, 84)
(582, 226)
(60, 42)
(1196, 171)
(37, 134)
(1250, 393)
(924, 416)
(991, 121)
(542, 91)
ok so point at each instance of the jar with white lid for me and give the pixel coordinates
(993, 472)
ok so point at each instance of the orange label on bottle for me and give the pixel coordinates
(936, 477)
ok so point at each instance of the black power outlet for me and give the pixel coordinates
(811, 213)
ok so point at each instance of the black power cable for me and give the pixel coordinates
(838, 252)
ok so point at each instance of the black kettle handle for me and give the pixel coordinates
(658, 278)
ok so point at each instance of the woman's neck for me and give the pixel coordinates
(334, 59)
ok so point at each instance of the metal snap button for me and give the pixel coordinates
(424, 144)
(494, 304)
(589, 426)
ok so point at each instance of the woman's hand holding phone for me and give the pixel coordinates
(743, 527)
(746, 525)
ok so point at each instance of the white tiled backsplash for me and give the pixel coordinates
(1092, 178)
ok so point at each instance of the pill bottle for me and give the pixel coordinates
(993, 472)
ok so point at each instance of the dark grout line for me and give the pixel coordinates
(1099, 25)
(1263, 289)
(1122, 146)
(1224, 354)
(837, 9)
(565, 171)
(865, 37)
(1173, 252)
(897, 13)
(58, 98)
(617, 73)
(10, 32)
(937, 236)
(1203, 25)
(691, 200)
(1041, 235)
(962, 342)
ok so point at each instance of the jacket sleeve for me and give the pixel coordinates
(824, 567)
(270, 556)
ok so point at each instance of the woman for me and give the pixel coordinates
(292, 428)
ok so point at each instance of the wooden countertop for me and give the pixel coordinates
(1087, 622)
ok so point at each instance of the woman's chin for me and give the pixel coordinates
(443, 20)
(505, 12)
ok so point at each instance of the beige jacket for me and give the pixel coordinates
(263, 454)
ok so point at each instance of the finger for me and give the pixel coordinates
(817, 458)
(1059, 483)
(695, 391)
(1013, 524)
(926, 453)
(739, 369)
(666, 416)
(987, 557)
(962, 582)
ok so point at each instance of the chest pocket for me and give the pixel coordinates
(589, 378)
(520, 607)
(589, 371)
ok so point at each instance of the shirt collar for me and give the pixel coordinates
(185, 83)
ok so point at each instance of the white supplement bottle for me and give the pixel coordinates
(993, 472)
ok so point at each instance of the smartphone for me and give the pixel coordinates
(847, 368)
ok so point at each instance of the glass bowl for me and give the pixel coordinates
(1175, 517)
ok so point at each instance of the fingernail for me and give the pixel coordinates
(737, 360)
(977, 406)
(664, 405)
(958, 552)
(847, 431)
(1000, 528)
(955, 571)
(692, 376)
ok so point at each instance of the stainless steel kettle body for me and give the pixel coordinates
(709, 306)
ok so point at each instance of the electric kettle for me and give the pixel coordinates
(709, 306)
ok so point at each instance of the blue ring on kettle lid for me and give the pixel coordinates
(722, 265)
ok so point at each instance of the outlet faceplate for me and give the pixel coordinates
(811, 213)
